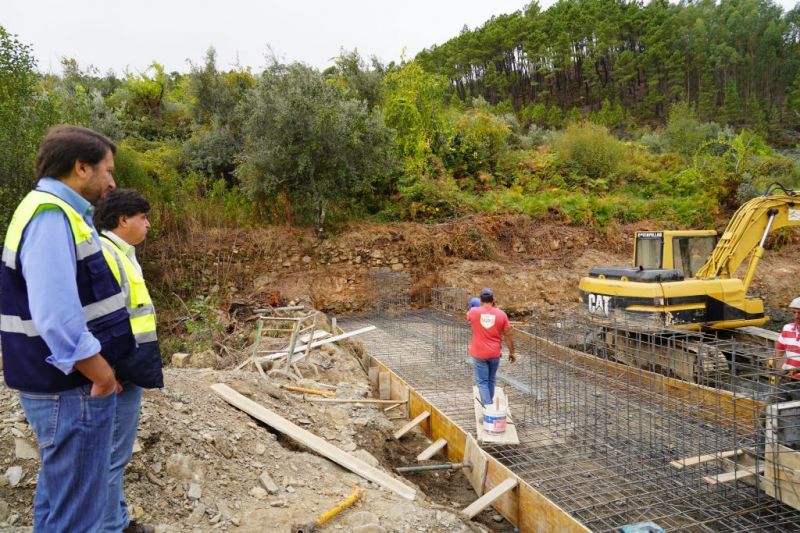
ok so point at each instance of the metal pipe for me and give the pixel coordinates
(425, 468)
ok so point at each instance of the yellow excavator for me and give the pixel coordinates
(686, 279)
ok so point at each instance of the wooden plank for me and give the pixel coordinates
(432, 450)
(355, 400)
(274, 356)
(373, 376)
(384, 385)
(510, 436)
(319, 445)
(727, 477)
(488, 499)
(698, 459)
(477, 458)
(408, 427)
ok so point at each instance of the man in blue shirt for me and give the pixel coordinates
(63, 325)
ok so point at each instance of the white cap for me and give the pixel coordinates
(795, 304)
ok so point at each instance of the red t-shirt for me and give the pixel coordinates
(488, 325)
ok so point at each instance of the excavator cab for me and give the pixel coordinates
(660, 256)
(685, 251)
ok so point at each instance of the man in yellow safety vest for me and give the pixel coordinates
(122, 221)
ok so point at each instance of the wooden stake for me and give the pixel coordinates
(431, 450)
(489, 498)
(408, 427)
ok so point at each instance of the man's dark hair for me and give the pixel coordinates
(487, 298)
(119, 202)
(64, 145)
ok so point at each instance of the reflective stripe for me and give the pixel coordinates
(14, 324)
(86, 248)
(10, 258)
(140, 311)
(104, 307)
(148, 336)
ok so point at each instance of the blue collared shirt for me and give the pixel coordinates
(49, 266)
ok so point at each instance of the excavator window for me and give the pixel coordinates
(691, 253)
(648, 250)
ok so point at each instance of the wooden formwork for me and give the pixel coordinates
(523, 506)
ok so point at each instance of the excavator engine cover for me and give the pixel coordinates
(651, 275)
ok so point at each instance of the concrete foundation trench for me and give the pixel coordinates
(604, 443)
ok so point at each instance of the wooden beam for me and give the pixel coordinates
(408, 427)
(384, 385)
(727, 477)
(431, 450)
(316, 344)
(487, 499)
(315, 443)
(355, 400)
(698, 459)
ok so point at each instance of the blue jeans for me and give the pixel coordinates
(74, 433)
(126, 423)
(485, 372)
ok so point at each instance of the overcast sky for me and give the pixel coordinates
(132, 34)
(122, 35)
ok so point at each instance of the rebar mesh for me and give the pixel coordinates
(597, 437)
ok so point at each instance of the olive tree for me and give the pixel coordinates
(306, 139)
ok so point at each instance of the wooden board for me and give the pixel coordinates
(432, 450)
(698, 459)
(509, 436)
(373, 377)
(408, 427)
(384, 385)
(315, 344)
(727, 477)
(489, 498)
(477, 458)
(315, 443)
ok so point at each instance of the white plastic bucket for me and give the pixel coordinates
(494, 419)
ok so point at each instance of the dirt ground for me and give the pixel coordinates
(198, 461)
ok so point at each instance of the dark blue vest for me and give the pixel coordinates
(24, 354)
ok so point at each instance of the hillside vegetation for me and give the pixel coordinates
(589, 112)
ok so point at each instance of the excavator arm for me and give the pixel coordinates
(747, 232)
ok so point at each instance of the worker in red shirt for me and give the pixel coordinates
(490, 326)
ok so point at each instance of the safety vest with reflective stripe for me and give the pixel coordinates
(144, 367)
(24, 351)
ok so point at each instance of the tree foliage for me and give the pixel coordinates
(309, 142)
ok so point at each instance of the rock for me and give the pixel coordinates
(497, 518)
(260, 449)
(367, 457)
(180, 360)
(197, 514)
(182, 467)
(224, 446)
(14, 475)
(306, 259)
(258, 492)
(370, 528)
(286, 264)
(397, 266)
(23, 449)
(3, 511)
(376, 254)
(195, 491)
(362, 518)
(277, 503)
(267, 482)
(206, 359)
(137, 446)
(555, 245)
(358, 260)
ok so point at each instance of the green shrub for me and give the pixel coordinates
(685, 133)
(594, 152)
